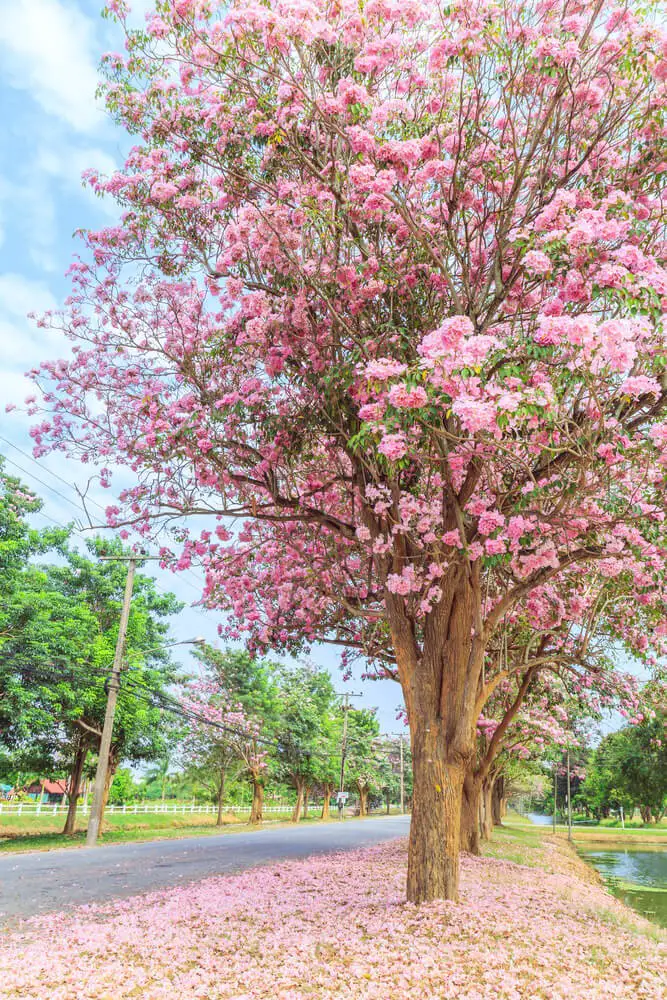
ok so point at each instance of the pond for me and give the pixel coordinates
(637, 875)
(539, 819)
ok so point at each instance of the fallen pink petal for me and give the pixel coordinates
(337, 926)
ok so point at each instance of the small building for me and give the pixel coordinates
(45, 790)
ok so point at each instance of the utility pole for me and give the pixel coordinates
(95, 817)
(555, 792)
(96, 808)
(343, 748)
(569, 799)
(402, 779)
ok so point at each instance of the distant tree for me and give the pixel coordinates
(629, 767)
(390, 750)
(307, 701)
(251, 684)
(19, 541)
(326, 767)
(123, 787)
(220, 742)
(366, 765)
(55, 663)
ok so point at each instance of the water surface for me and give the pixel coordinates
(637, 875)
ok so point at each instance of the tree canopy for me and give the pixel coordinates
(399, 309)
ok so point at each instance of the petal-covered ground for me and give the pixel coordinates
(337, 927)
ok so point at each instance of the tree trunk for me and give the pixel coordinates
(298, 805)
(221, 797)
(388, 802)
(470, 811)
(363, 799)
(435, 827)
(306, 796)
(73, 789)
(257, 807)
(498, 801)
(441, 684)
(487, 809)
(326, 802)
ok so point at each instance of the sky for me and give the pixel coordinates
(52, 129)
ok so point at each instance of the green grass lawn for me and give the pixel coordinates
(38, 833)
(516, 840)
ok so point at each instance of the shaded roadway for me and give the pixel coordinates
(46, 881)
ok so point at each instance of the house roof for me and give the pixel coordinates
(50, 787)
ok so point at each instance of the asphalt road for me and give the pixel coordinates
(48, 881)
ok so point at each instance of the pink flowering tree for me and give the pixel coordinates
(385, 300)
(573, 632)
(220, 742)
(559, 710)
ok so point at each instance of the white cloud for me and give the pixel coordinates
(68, 163)
(22, 343)
(48, 49)
(64, 162)
(20, 295)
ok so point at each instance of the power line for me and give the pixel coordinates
(80, 508)
(55, 475)
(170, 705)
(46, 486)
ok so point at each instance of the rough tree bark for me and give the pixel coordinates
(74, 785)
(327, 790)
(257, 807)
(300, 786)
(486, 819)
(306, 796)
(476, 810)
(498, 800)
(471, 801)
(362, 788)
(440, 685)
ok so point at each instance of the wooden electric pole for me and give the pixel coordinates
(569, 799)
(343, 748)
(555, 791)
(97, 807)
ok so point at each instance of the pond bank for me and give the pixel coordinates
(654, 835)
(533, 921)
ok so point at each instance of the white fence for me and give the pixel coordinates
(133, 808)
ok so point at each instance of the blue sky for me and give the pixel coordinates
(52, 130)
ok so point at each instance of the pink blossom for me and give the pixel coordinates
(384, 368)
(640, 385)
(163, 191)
(393, 446)
(475, 415)
(446, 337)
(537, 261)
(407, 397)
